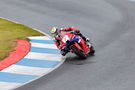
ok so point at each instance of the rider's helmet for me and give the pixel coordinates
(54, 30)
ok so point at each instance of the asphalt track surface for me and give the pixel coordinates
(110, 24)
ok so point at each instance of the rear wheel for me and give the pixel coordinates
(79, 52)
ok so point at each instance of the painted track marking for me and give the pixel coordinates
(42, 58)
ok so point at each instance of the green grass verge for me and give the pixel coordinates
(9, 32)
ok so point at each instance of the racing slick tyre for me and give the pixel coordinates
(79, 52)
(92, 51)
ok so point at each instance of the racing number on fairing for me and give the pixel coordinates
(65, 38)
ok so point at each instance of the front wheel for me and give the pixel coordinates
(79, 52)
(92, 51)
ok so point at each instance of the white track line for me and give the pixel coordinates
(32, 55)
(8, 85)
(19, 69)
(40, 38)
(40, 45)
(43, 56)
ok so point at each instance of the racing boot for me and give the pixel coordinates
(64, 51)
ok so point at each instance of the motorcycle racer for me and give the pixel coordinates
(57, 39)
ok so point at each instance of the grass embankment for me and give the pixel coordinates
(9, 32)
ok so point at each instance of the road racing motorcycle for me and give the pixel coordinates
(77, 45)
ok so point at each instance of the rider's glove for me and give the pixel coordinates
(77, 31)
